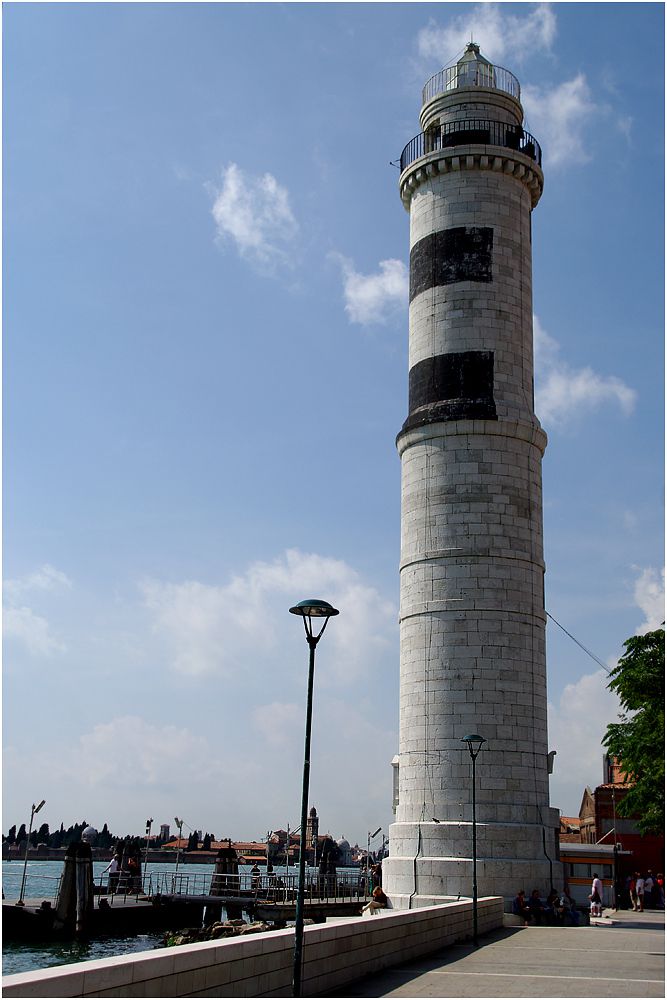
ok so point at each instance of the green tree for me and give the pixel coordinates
(638, 740)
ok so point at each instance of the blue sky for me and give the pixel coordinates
(205, 367)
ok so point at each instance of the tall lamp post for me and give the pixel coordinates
(33, 812)
(474, 743)
(307, 610)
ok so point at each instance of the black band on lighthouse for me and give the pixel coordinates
(455, 386)
(460, 254)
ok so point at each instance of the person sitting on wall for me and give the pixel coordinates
(568, 909)
(520, 908)
(378, 901)
(550, 909)
(536, 907)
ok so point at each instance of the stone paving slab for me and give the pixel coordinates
(625, 960)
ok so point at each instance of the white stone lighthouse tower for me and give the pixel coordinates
(472, 571)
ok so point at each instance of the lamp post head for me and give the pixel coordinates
(313, 608)
(474, 742)
(37, 808)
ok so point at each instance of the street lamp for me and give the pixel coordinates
(149, 824)
(368, 858)
(307, 610)
(33, 812)
(179, 824)
(474, 746)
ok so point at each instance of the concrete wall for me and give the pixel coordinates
(261, 965)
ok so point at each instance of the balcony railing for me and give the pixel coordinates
(471, 131)
(471, 75)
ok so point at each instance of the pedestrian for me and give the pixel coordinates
(255, 876)
(640, 892)
(596, 896)
(649, 884)
(632, 888)
(114, 873)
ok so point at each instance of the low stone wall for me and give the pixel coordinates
(261, 965)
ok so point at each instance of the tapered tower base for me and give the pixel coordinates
(432, 862)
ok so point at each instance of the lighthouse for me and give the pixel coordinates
(472, 617)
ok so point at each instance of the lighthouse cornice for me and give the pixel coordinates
(512, 163)
(533, 433)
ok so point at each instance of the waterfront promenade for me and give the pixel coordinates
(624, 960)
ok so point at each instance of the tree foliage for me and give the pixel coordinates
(638, 740)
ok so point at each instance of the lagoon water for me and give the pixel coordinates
(42, 883)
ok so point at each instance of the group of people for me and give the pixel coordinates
(124, 874)
(646, 891)
(558, 908)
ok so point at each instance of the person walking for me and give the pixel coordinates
(632, 889)
(649, 885)
(640, 892)
(596, 896)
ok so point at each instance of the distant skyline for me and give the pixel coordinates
(205, 368)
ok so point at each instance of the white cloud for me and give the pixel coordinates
(373, 298)
(278, 723)
(45, 578)
(215, 629)
(255, 213)
(31, 630)
(499, 34)
(563, 392)
(20, 622)
(560, 116)
(649, 593)
(157, 753)
(576, 727)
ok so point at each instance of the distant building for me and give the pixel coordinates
(312, 829)
(345, 856)
(600, 828)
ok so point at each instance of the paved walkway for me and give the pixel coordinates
(625, 960)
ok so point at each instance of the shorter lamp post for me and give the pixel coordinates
(179, 824)
(371, 836)
(149, 824)
(474, 743)
(307, 610)
(33, 812)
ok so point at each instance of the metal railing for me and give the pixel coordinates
(471, 75)
(471, 131)
(45, 888)
(271, 888)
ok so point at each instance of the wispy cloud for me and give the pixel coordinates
(649, 594)
(20, 622)
(255, 213)
(561, 117)
(577, 723)
(501, 35)
(47, 577)
(31, 630)
(373, 298)
(562, 392)
(213, 629)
